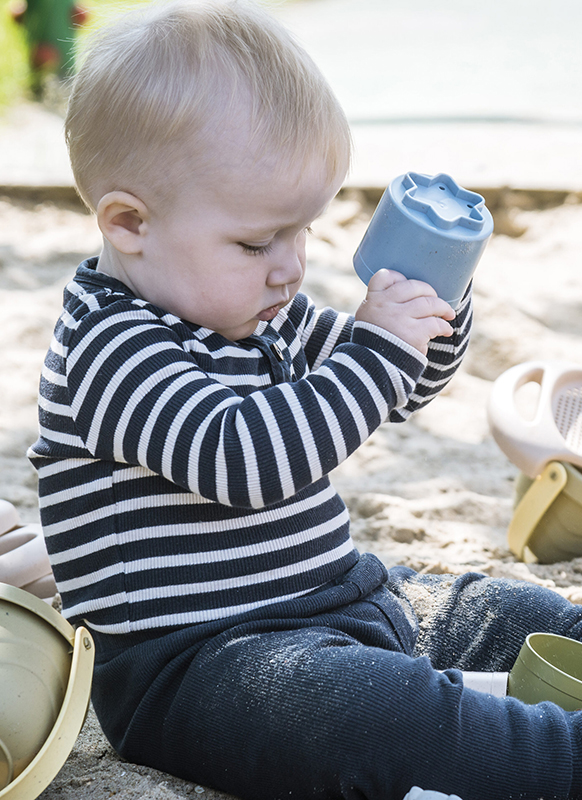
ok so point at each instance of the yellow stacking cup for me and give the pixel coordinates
(549, 667)
(547, 520)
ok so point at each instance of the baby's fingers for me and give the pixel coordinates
(430, 306)
(437, 326)
(423, 330)
(394, 287)
(384, 279)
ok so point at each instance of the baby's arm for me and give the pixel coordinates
(138, 397)
(444, 357)
(141, 395)
(322, 331)
(409, 309)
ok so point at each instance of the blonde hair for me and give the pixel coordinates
(155, 82)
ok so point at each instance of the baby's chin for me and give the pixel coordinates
(240, 332)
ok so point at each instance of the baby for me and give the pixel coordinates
(192, 406)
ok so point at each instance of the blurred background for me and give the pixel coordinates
(489, 92)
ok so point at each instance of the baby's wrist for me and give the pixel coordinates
(388, 344)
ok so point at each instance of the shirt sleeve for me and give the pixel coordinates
(137, 397)
(324, 330)
(444, 357)
(321, 330)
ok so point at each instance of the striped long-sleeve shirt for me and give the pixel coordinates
(184, 477)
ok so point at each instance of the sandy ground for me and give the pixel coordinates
(435, 493)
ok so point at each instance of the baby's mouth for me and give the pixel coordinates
(267, 314)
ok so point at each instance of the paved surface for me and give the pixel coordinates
(489, 92)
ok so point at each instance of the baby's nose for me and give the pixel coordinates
(287, 270)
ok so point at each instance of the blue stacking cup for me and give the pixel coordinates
(428, 228)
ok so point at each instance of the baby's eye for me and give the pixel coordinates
(256, 250)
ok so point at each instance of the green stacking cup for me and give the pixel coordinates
(549, 667)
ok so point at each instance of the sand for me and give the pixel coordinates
(435, 493)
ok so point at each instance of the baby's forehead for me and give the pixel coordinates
(233, 148)
(255, 195)
(280, 170)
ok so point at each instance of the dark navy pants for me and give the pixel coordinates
(338, 694)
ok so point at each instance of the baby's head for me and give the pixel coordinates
(162, 90)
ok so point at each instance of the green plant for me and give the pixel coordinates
(14, 69)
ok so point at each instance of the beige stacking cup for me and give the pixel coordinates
(549, 667)
(46, 670)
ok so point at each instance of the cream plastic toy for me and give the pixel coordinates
(46, 670)
(416, 793)
(547, 447)
(24, 560)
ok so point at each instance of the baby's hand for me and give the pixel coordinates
(409, 309)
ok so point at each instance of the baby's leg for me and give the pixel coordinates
(312, 713)
(320, 708)
(473, 622)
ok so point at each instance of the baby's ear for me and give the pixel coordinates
(123, 220)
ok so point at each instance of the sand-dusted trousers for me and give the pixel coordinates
(338, 694)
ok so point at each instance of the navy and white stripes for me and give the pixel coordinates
(183, 477)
